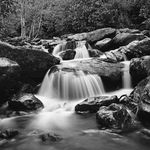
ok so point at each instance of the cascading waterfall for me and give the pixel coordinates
(71, 84)
(81, 50)
(79, 47)
(59, 48)
(126, 75)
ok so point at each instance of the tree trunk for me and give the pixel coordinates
(23, 27)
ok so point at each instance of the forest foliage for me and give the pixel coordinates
(48, 18)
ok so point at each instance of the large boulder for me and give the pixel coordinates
(141, 95)
(93, 104)
(95, 36)
(9, 79)
(104, 44)
(106, 69)
(134, 49)
(139, 69)
(33, 64)
(25, 102)
(115, 116)
(110, 72)
(121, 39)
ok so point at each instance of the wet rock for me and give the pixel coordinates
(122, 39)
(115, 116)
(134, 49)
(67, 55)
(139, 69)
(94, 36)
(33, 64)
(9, 78)
(50, 138)
(110, 72)
(141, 95)
(102, 44)
(8, 134)
(25, 102)
(146, 132)
(127, 30)
(95, 53)
(71, 45)
(146, 32)
(92, 105)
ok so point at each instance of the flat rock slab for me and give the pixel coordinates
(112, 71)
(93, 104)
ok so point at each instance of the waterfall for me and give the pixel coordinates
(70, 84)
(59, 48)
(79, 47)
(81, 50)
(126, 75)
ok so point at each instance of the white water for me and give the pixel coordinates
(126, 78)
(81, 50)
(59, 48)
(69, 84)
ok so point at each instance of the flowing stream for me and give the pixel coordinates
(61, 90)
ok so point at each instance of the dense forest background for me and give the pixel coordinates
(48, 18)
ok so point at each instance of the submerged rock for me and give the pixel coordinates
(9, 78)
(25, 102)
(8, 134)
(139, 69)
(115, 116)
(50, 137)
(92, 105)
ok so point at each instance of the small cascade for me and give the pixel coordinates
(70, 84)
(59, 48)
(126, 75)
(81, 50)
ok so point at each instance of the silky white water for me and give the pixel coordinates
(70, 84)
(81, 49)
(126, 78)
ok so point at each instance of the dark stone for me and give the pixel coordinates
(115, 116)
(68, 54)
(122, 39)
(25, 102)
(8, 134)
(92, 105)
(134, 49)
(33, 64)
(141, 95)
(50, 138)
(95, 53)
(139, 69)
(9, 79)
(146, 132)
